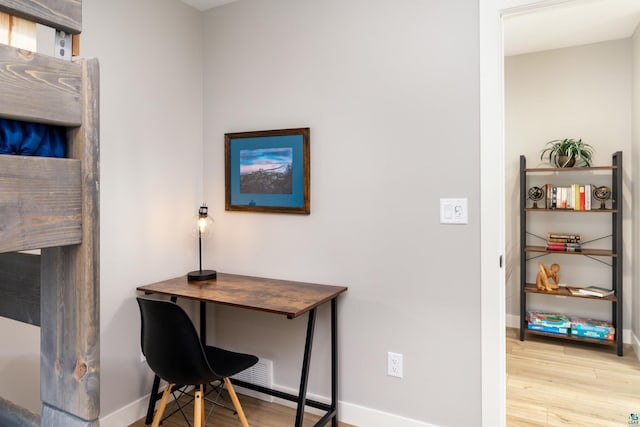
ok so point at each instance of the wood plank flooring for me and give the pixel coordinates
(259, 414)
(559, 383)
(549, 383)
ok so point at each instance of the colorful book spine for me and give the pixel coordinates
(548, 319)
(564, 242)
(581, 323)
(575, 196)
(567, 237)
(575, 191)
(558, 330)
(604, 336)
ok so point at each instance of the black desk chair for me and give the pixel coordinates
(174, 352)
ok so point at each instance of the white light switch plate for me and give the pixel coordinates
(454, 211)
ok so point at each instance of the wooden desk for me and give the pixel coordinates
(283, 297)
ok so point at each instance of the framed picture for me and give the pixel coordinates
(267, 171)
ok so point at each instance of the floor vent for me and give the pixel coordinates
(261, 374)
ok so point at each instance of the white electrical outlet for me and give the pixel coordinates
(394, 364)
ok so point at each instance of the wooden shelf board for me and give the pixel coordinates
(584, 251)
(573, 169)
(530, 288)
(571, 210)
(572, 338)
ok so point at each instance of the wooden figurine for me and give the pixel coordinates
(546, 273)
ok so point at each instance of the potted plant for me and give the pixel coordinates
(563, 153)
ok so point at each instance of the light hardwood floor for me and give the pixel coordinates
(559, 383)
(549, 383)
(258, 412)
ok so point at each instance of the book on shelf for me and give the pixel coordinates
(604, 336)
(592, 291)
(596, 291)
(574, 196)
(564, 242)
(557, 320)
(561, 246)
(575, 190)
(566, 237)
(564, 248)
(551, 323)
(558, 330)
(587, 197)
(575, 291)
(592, 328)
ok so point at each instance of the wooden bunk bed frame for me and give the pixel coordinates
(52, 204)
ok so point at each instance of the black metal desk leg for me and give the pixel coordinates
(152, 400)
(203, 323)
(302, 396)
(334, 361)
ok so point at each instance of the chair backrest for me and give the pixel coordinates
(171, 344)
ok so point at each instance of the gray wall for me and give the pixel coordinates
(151, 184)
(151, 167)
(390, 91)
(580, 92)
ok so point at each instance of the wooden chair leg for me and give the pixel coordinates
(163, 405)
(197, 408)
(236, 402)
(202, 406)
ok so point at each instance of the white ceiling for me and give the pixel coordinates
(570, 23)
(206, 4)
(563, 24)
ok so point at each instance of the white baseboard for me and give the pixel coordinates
(349, 413)
(126, 415)
(357, 415)
(512, 321)
(635, 342)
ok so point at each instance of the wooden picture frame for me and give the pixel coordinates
(267, 171)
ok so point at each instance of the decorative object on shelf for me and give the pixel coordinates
(563, 153)
(203, 227)
(267, 171)
(546, 273)
(602, 193)
(536, 194)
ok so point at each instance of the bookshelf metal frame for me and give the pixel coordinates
(615, 254)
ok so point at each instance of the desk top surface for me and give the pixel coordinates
(256, 293)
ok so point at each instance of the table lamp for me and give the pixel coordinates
(204, 224)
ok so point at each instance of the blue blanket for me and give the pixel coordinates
(32, 139)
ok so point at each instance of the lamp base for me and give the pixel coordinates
(200, 275)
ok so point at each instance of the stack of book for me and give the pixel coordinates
(590, 291)
(595, 291)
(553, 323)
(564, 242)
(590, 328)
(575, 196)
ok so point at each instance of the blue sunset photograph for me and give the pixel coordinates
(266, 170)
